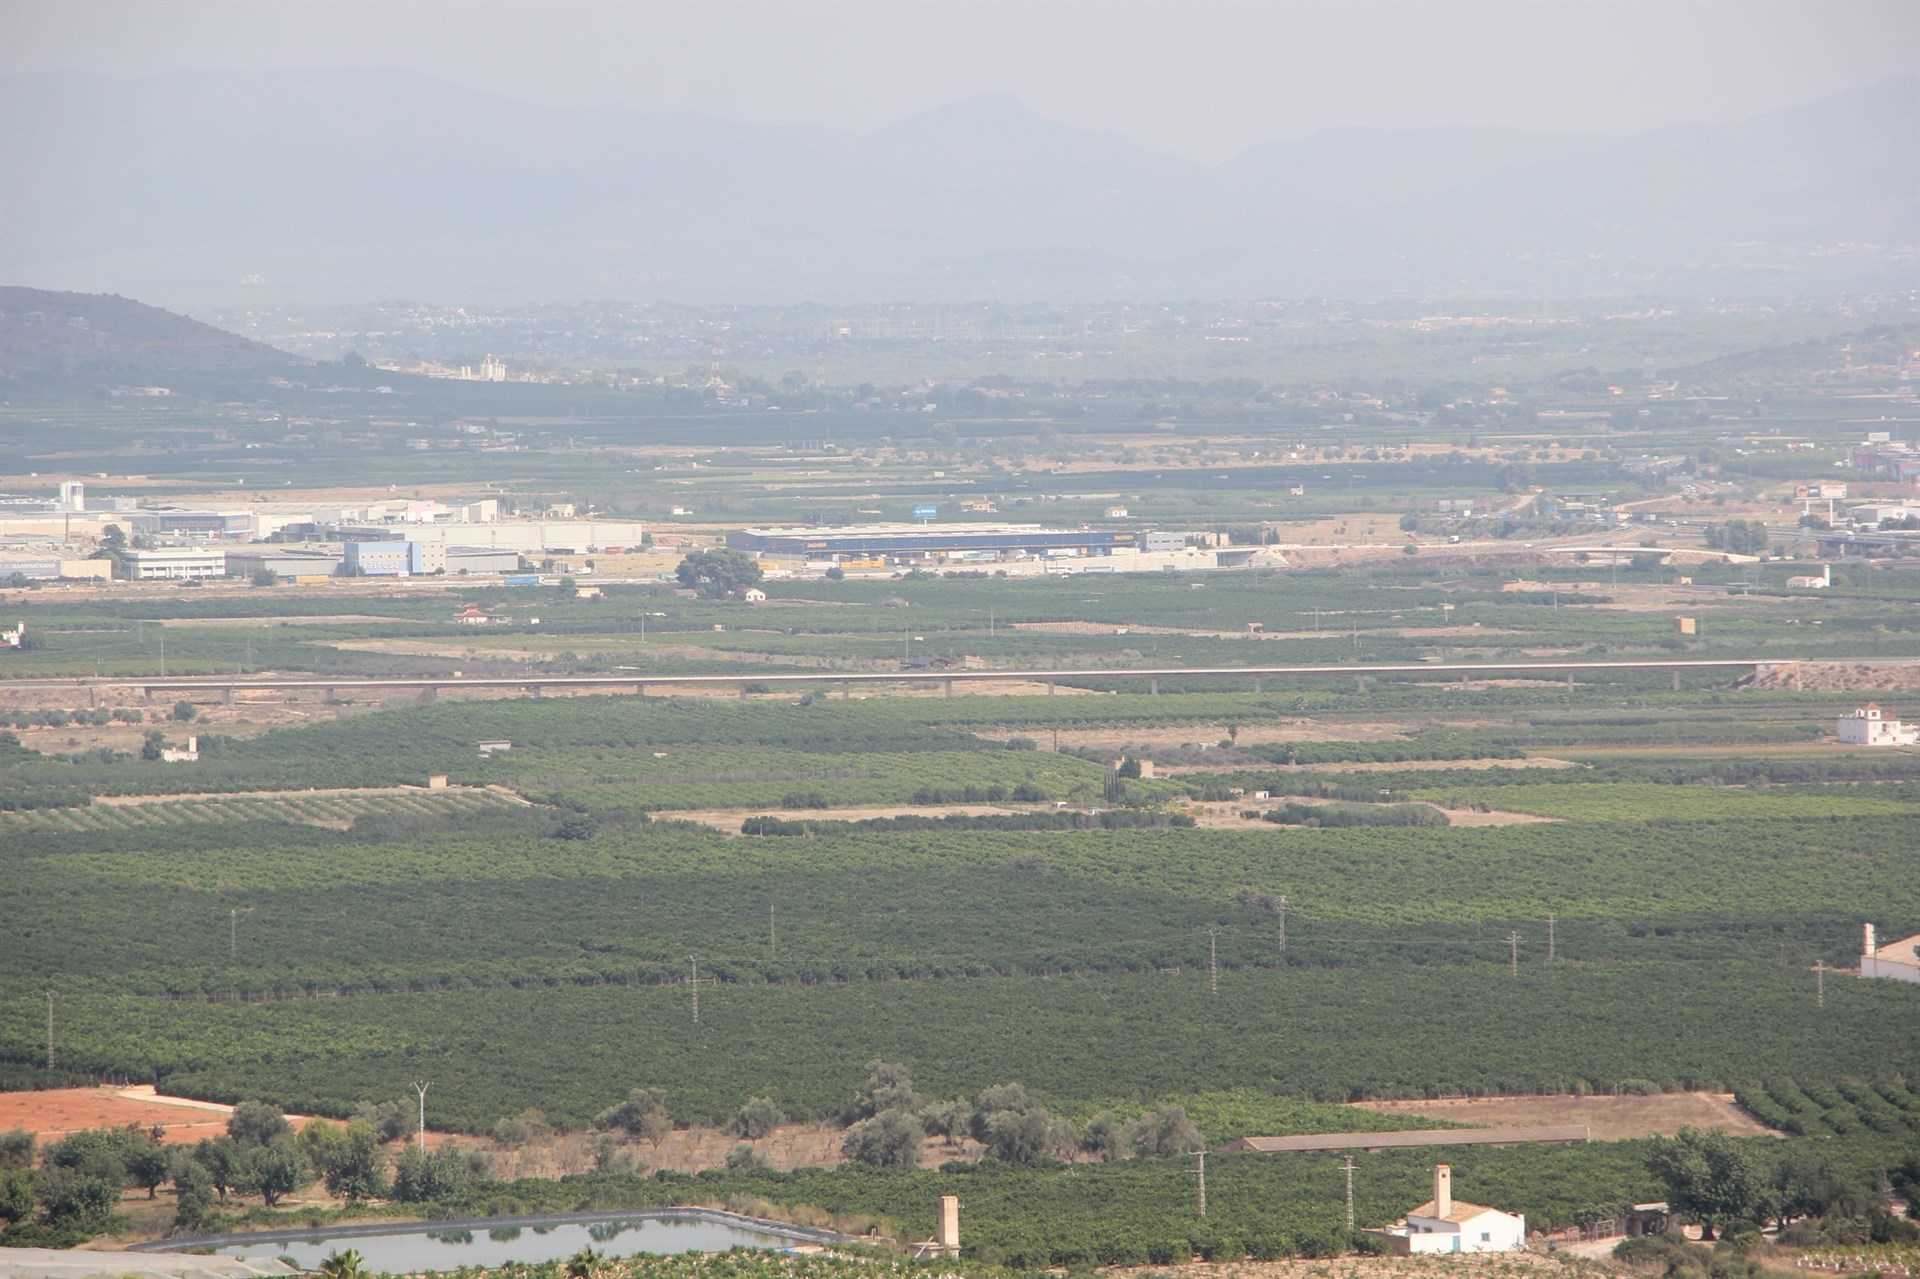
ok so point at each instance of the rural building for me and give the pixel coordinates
(169, 564)
(489, 749)
(1411, 1137)
(1899, 960)
(189, 754)
(754, 595)
(1446, 1224)
(1813, 583)
(1868, 726)
(1686, 626)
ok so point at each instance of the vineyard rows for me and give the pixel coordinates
(1814, 1109)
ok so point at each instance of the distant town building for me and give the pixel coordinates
(1867, 726)
(1899, 960)
(73, 496)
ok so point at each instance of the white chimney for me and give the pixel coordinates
(1867, 944)
(1442, 1190)
(949, 1238)
(1826, 573)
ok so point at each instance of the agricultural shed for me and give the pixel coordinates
(1411, 1137)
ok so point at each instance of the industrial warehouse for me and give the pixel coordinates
(918, 542)
(1010, 549)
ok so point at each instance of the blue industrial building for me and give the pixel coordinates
(377, 559)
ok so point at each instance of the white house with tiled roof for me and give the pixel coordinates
(1899, 960)
(1868, 726)
(1446, 1224)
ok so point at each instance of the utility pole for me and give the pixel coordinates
(49, 1030)
(694, 979)
(421, 1088)
(1549, 939)
(1819, 984)
(1213, 967)
(233, 933)
(1201, 1155)
(1349, 1168)
(163, 654)
(773, 934)
(1283, 924)
(1513, 954)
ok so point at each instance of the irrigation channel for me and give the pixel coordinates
(410, 1247)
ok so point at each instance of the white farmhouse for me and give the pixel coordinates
(1867, 726)
(1899, 960)
(1446, 1224)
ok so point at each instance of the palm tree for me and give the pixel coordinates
(344, 1265)
(582, 1264)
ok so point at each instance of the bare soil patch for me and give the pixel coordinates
(1230, 815)
(1609, 1118)
(54, 1113)
(1838, 677)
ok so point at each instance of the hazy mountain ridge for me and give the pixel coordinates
(98, 339)
(335, 184)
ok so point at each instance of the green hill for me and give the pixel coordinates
(100, 339)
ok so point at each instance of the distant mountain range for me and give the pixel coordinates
(348, 185)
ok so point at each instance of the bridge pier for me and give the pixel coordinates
(946, 686)
(1049, 688)
(534, 690)
(846, 691)
(743, 692)
(1257, 682)
(226, 695)
(429, 694)
(1676, 681)
(1569, 681)
(1153, 687)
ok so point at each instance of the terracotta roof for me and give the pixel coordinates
(1904, 951)
(1462, 1212)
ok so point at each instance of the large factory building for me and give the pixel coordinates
(906, 542)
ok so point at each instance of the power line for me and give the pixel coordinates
(1213, 966)
(1201, 1173)
(1549, 939)
(1283, 924)
(49, 1030)
(1819, 984)
(1349, 1168)
(1513, 954)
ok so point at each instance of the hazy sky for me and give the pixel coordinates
(1196, 77)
